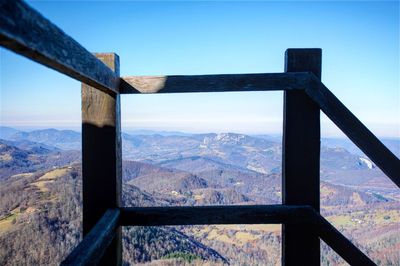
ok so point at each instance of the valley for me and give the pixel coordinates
(40, 198)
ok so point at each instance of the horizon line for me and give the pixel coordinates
(155, 131)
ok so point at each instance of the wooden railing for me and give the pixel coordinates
(24, 31)
(89, 251)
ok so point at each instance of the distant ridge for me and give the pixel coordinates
(7, 132)
(71, 140)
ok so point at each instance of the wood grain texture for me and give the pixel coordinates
(102, 157)
(300, 160)
(214, 83)
(93, 246)
(26, 32)
(253, 214)
(355, 130)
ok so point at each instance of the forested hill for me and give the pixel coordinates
(40, 199)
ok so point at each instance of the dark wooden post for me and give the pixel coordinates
(300, 160)
(101, 157)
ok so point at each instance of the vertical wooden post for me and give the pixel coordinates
(300, 160)
(101, 157)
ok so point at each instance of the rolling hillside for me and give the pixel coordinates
(40, 199)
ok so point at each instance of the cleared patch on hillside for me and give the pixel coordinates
(49, 177)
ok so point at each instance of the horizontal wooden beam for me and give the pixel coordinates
(339, 243)
(93, 246)
(354, 129)
(214, 83)
(91, 249)
(201, 215)
(253, 214)
(26, 32)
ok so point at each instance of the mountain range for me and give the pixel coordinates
(40, 171)
(69, 139)
(261, 154)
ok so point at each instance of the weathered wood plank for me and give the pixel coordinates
(101, 157)
(253, 214)
(214, 83)
(355, 130)
(339, 243)
(300, 160)
(26, 32)
(91, 249)
(93, 246)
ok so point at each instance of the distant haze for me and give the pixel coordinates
(328, 129)
(360, 61)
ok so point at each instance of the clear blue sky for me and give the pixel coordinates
(360, 42)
